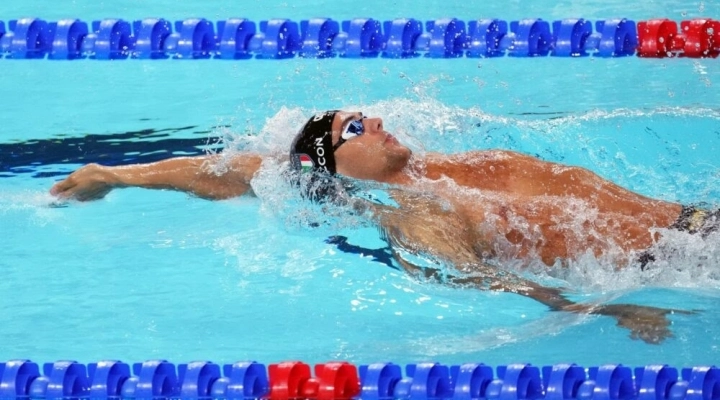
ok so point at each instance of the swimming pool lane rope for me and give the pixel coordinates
(159, 379)
(239, 38)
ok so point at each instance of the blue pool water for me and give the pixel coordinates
(144, 274)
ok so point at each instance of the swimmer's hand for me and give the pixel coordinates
(91, 182)
(649, 324)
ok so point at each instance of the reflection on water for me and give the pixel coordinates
(142, 146)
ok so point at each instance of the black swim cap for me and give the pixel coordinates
(312, 149)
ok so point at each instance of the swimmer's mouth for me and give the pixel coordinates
(390, 138)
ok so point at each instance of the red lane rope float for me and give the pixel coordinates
(701, 37)
(696, 38)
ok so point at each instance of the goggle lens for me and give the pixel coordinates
(353, 129)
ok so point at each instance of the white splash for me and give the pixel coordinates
(41, 206)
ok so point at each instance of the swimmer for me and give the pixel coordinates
(515, 206)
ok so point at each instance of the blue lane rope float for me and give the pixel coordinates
(159, 379)
(239, 38)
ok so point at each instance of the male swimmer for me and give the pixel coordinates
(463, 228)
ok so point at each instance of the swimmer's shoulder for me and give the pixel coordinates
(475, 156)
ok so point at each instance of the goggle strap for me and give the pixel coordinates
(340, 141)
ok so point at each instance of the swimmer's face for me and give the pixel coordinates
(372, 154)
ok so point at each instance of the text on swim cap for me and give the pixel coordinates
(320, 152)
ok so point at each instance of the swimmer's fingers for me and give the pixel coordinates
(61, 188)
(651, 334)
(84, 192)
(649, 324)
(68, 189)
(92, 194)
(87, 183)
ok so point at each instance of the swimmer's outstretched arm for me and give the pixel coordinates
(196, 175)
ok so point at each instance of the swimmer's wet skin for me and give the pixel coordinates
(432, 217)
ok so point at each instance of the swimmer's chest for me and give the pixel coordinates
(489, 170)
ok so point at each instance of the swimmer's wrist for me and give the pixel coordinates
(119, 177)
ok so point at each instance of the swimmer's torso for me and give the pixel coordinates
(517, 206)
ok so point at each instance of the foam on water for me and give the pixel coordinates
(35, 207)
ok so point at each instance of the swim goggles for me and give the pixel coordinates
(352, 130)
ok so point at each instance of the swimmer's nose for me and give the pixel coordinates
(373, 124)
